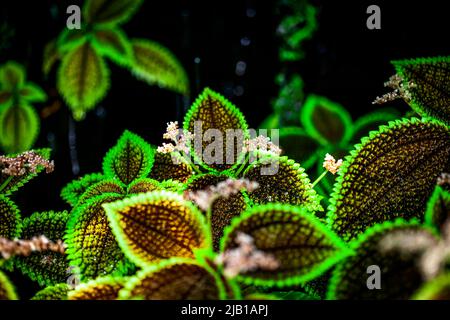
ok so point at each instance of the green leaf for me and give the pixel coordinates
(400, 275)
(216, 113)
(6, 99)
(10, 221)
(106, 288)
(143, 185)
(371, 122)
(12, 76)
(431, 79)
(33, 93)
(7, 290)
(72, 192)
(69, 39)
(91, 245)
(57, 292)
(436, 289)
(83, 79)
(130, 159)
(296, 144)
(175, 279)
(156, 65)
(302, 245)
(271, 122)
(164, 168)
(157, 225)
(110, 11)
(50, 57)
(102, 187)
(281, 180)
(47, 267)
(223, 209)
(19, 127)
(114, 44)
(326, 121)
(13, 183)
(438, 208)
(391, 173)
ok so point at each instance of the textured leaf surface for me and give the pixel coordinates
(175, 279)
(106, 288)
(91, 246)
(281, 180)
(217, 113)
(102, 187)
(223, 209)
(47, 267)
(72, 192)
(83, 79)
(400, 276)
(19, 127)
(326, 121)
(157, 225)
(10, 221)
(156, 65)
(431, 91)
(12, 184)
(57, 292)
(436, 289)
(296, 144)
(110, 11)
(143, 185)
(113, 43)
(7, 290)
(303, 247)
(164, 168)
(438, 208)
(392, 173)
(130, 159)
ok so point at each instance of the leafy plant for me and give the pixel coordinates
(19, 121)
(83, 77)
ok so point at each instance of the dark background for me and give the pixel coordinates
(344, 61)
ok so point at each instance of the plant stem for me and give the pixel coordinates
(5, 183)
(319, 178)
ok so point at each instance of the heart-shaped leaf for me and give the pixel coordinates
(32, 93)
(19, 127)
(110, 12)
(12, 76)
(223, 209)
(102, 187)
(298, 145)
(212, 113)
(11, 184)
(46, 267)
(303, 247)
(438, 208)
(10, 221)
(106, 288)
(399, 273)
(72, 192)
(436, 289)
(143, 185)
(7, 290)
(50, 57)
(57, 292)
(130, 159)
(175, 279)
(281, 180)
(391, 173)
(325, 120)
(91, 245)
(431, 85)
(156, 65)
(83, 79)
(164, 168)
(114, 44)
(158, 225)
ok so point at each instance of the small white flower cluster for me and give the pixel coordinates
(24, 163)
(443, 179)
(400, 90)
(9, 248)
(261, 143)
(180, 139)
(244, 258)
(205, 198)
(331, 165)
